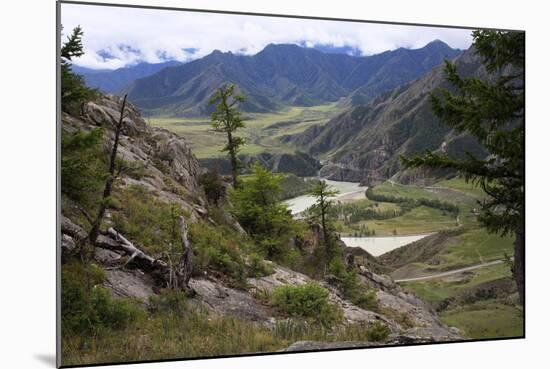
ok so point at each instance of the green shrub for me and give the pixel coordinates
(309, 301)
(219, 249)
(272, 248)
(213, 186)
(352, 289)
(169, 301)
(114, 313)
(377, 332)
(261, 294)
(146, 220)
(366, 300)
(257, 267)
(257, 206)
(83, 166)
(86, 307)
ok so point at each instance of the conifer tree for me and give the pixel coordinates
(493, 111)
(227, 119)
(74, 91)
(322, 211)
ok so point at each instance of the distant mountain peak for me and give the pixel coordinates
(281, 48)
(437, 44)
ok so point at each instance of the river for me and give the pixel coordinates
(349, 191)
(377, 246)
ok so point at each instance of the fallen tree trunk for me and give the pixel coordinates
(114, 241)
(130, 249)
(157, 268)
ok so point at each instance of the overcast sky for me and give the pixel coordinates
(117, 37)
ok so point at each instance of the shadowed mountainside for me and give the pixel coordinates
(364, 143)
(282, 75)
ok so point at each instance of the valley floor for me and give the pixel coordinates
(481, 302)
(262, 131)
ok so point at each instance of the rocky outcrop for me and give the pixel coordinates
(396, 339)
(283, 276)
(169, 169)
(300, 346)
(220, 299)
(130, 283)
(338, 172)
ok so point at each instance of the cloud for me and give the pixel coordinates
(116, 37)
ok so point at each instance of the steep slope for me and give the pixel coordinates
(112, 81)
(364, 143)
(400, 66)
(169, 176)
(163, 155)
(282, 75)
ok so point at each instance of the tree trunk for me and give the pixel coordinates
(325, 232)
(184, 268)
(232, 159)
(110, 180)
(519, 259)
(113, 240)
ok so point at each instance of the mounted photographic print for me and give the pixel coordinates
(244, 184)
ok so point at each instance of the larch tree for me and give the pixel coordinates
(226, 118)
(493, 111)
(321, 210)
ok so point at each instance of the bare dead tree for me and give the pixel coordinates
(185, 265)
(94, 232)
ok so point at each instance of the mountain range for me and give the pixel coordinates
(282, 75)
(384, 99)
(113, 81)
(364, 143)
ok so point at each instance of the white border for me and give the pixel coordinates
(27, 184)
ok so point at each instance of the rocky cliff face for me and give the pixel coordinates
(365, 142)
(171, 171)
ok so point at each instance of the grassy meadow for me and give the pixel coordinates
(262, 132)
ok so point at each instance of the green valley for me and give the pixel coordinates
(262, 131)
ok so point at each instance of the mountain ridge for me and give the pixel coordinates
(281, 75)
(112, 81)
(364, 143)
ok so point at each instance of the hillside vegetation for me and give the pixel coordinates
(255, 272)
(482, 302)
